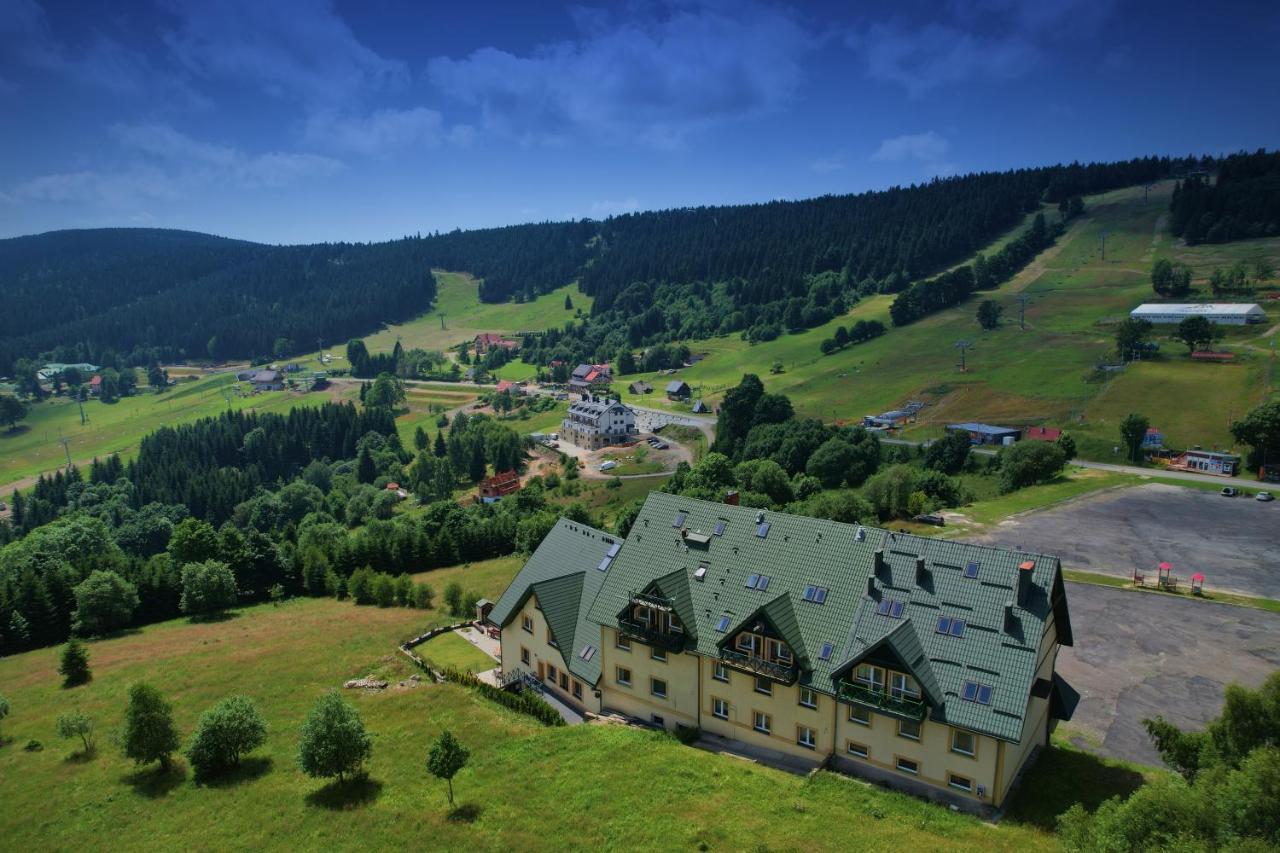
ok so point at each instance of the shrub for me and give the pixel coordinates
(76, 724)
(224, 734)
(149, 733)
(334, 741)
(423, 596)
(1029, 462)
(526, 702)
(74, 666)
(688, 735)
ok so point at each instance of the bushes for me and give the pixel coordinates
(901, 491)
(526, 702)
(207, 587)
(225, 733)
(1028, 463)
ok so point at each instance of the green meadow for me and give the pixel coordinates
(520, 783)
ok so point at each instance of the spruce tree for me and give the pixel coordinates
(75, 664)
(440, 449)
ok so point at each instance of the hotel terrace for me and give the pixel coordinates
(924, 663)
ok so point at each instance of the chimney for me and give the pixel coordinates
(1025, 568)
(922, 574)
(879, 565)
(731, 498)
(1008, 617)
(871, 586)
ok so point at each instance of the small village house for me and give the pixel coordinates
(640, 387)
(678, 389)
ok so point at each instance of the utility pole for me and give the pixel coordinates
(80, 402)
(1103, 237)
(441, 319)
(1022, 310)
(962, 346)
(65, 448)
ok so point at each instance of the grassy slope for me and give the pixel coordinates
(516, 783)
(1036, 375)
(119, 427)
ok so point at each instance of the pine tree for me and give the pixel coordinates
(440, 449)
(74, 667)
(366, 470)
(420, 439)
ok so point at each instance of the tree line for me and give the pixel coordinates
(1242, 202)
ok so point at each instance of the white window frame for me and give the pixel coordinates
(876, 679)
(617, 676)
(766, 728)
(720, 672)
(716, 704)
(809, 691)
(653, 687)
(526, 622)
(622, 641)
(812, 742)
(750, 647)
(973, 739)
(919, 730)
(768, 686)
(862, 751)
(861, 710)
(951, 783)
(658, 653)
(903, 686)
(898, 762)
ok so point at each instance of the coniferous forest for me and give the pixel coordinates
(1242, 202)
(692, 272)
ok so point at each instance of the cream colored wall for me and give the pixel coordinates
(540, 651)
(784, 706)
(680, 672)
(1035, 724)
(932, 751)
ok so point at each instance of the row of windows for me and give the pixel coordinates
(901, 685)
(763, 723)
(555, 676)
(909, 766)
(962, 742)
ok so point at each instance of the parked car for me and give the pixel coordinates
(931, 518)
(1264, 497)
(1230, 491)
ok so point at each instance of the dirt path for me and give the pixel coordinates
(1032, 271)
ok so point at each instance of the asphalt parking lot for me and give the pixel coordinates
(1233, 541)
(1141, 654)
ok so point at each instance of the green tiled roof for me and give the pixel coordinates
(563, 572)
(798, 552)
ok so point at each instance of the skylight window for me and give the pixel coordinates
(971, 570)
(763, 530)
(816, 594)
(604, 564)
(889, 607)
(825, 652)
(752, 581)
(614, 549)
(720, 526)
(763, 583)
(957, 627)
(953, 627)
(984, 694)
(723, 624)
(680, 517)
(975, 692)
(588, 652)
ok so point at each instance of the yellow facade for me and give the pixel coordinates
(790, 724)
(527, 645)
(677, 674)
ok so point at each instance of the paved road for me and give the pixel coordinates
(1231, 540)
(1138, 655)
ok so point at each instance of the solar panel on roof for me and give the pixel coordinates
(720, 526)
(763, 530)
(957, 627)
(825, 652)
(971, 570)
(680, 517)
(763, 583)
(614, 549)
(751, 581)
(723, 624)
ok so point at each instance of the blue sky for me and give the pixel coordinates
(305, 120)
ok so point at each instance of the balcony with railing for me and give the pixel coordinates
(784, 672)
(657, 631)
(858, 693)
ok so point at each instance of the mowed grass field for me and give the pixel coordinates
(117, 427)
(526, 787)
(1040, 374)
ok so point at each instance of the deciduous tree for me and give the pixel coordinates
(1133, 429)
(104, 602)
(224, 734)
(334, 741)
(446, 758)
(149, 732)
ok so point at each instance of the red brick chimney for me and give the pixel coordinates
(731, 498)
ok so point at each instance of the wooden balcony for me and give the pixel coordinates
(879, 700)
(786, 673)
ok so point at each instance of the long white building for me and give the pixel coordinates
(1224, 313)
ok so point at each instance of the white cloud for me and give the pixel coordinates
(654, 78)
(298, 49)
(928, 147)
(163, 163)
(827, 165)
(384, 131)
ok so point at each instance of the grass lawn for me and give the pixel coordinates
(451, 650)
(118, 427)
(526, 787)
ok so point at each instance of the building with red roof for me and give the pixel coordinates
(1039, 433)
(499, 486)
(485, 340)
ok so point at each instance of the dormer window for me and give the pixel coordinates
(902, 686)
(746, 643)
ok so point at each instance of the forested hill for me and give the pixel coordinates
(151, 293)
(167, 295)
(1243, 202)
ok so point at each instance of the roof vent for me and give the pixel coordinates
(861, 535)
(759, 516)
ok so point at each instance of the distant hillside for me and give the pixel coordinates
(1242, 202)
(685, 273)
(172, 294)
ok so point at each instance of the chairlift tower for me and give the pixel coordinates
(1022, 310)
(1103, 237)
(963, 346)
